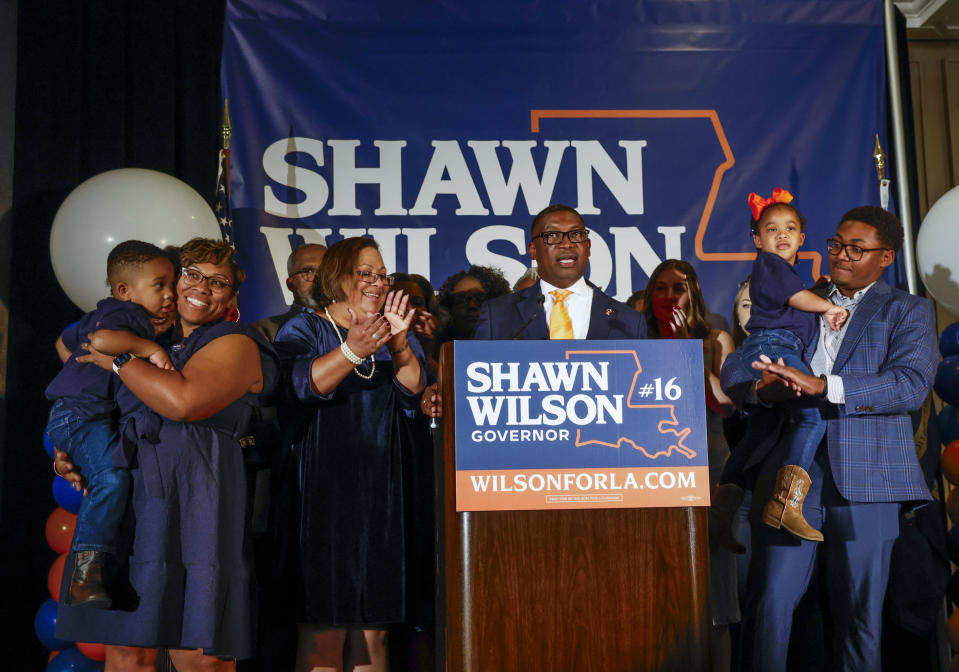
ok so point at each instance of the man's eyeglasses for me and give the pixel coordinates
(854, 252)
(193, 277)
(309, 272)
(372, 278)
(556, 237)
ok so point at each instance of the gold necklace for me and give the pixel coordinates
(356, 370)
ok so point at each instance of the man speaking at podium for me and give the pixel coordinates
(562, 304)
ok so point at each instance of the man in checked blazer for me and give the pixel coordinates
(868, 377)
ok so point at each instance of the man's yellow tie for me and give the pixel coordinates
(560, 326)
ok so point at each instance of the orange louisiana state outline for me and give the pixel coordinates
(668, 426)
(713, 117)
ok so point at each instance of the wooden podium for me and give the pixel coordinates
(611, 590)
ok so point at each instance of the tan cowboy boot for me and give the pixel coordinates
(784, 508)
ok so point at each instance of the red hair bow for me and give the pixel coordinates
(757, 203)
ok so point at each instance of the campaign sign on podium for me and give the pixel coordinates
(580, 424)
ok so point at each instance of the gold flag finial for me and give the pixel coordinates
(880, 157)
(226, 130)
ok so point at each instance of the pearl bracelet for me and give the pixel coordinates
(350, 355)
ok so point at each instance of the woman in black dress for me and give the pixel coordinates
(354, 367)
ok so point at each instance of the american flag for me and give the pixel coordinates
(221, 201)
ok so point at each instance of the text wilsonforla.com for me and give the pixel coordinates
(582, 481)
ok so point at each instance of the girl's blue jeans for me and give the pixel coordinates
(807, 428)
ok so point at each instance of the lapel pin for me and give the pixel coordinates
(609, 312)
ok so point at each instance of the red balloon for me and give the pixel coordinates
(54, 577)
(60, 526)
(950, 462)
(93, 651)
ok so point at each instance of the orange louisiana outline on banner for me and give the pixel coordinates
(664, 426)
(581, 488)
(713, 117)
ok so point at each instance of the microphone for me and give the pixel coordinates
(539, 304)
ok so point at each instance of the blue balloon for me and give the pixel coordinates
(44, 623)
(66, 495)
(949, 340)
(48, 444)
(948, 421)
(947, 380)
(73, 660)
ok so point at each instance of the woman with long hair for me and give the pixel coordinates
(675, 309)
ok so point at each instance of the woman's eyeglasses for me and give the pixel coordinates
(460, 299)
(373, 278)
(193, 277)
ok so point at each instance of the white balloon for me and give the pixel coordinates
(937, 250)
(118, 205)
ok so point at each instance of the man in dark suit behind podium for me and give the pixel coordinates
(562, 304)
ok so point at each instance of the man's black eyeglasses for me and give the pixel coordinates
(556, 237)
(854, 252)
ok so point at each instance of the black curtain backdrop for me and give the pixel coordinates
(102, 84)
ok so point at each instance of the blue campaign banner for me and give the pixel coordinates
(563, 424)
(442, 127)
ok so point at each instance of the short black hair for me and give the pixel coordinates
(291, 260)
(887, 226)
(754, 223)
(550, 209)
(130, 255)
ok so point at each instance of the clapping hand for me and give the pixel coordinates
(366, 337)
(396, 313)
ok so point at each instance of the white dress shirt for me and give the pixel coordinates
(830, 341)
(578, 305)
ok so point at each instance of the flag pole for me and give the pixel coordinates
(221, 199)
(899, 144)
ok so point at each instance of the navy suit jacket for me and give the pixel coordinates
(503, 317)
(887, 362)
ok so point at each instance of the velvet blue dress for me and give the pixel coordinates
(185, 580)
(352, 494)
